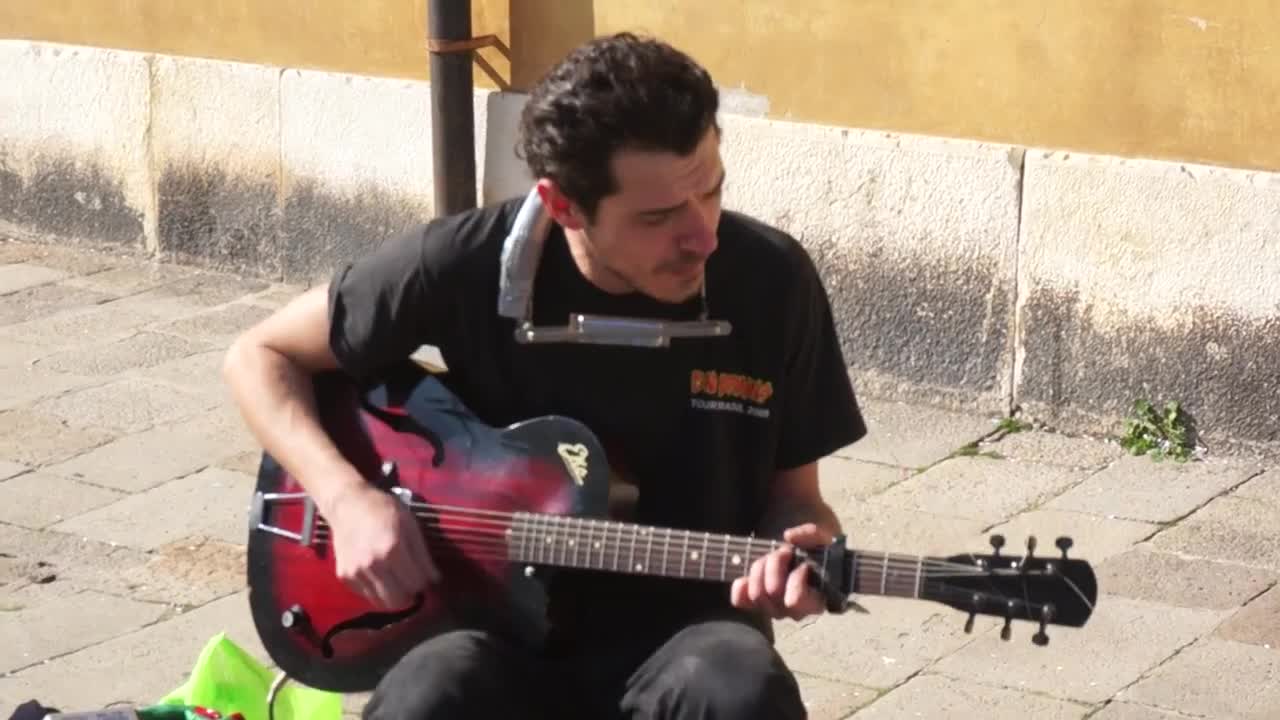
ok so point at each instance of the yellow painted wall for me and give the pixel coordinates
(1195, 80)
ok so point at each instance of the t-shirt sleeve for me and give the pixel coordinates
(820, 413)
(385, 305)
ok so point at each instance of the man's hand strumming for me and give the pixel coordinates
(379, 547)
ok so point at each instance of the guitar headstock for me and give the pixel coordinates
(1048, 590)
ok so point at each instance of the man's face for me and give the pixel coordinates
(655, 233)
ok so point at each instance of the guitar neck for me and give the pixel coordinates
(591, 544)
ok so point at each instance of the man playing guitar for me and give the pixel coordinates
(718, 430)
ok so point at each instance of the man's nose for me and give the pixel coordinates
(699, 235)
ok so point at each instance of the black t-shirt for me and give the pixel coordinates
(700, 427)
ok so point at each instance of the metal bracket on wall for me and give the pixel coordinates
(459, 46)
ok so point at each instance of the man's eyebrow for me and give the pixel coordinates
(724, 174)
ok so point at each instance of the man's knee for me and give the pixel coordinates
(718, 669)
(450, 675)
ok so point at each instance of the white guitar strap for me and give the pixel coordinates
(521, 252)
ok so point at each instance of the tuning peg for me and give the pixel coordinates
(968, 624)
(1064, 544)
(1041, 638)
(997, 542)
(1007, 631)
(1031, 545)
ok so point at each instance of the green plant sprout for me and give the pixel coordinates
(1158, 433)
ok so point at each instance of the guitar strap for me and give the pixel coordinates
(521, 252)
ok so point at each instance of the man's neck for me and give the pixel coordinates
(591, 268)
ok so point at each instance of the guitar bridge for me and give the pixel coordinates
(260, 515)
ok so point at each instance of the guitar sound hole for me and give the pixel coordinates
(367, 621)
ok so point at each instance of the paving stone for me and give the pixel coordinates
(979, 488)
(897, 639)
(78, 327)
(219, 326)
(142, 460)
(18, 276)
(1235, 529)
(929, 695)
(9, 469)
(20, 354)
(1047, 448)
(276, 296)
(200, 373)
(125, 406)
(880, 528)
(38, 499)
(144, 665)
(845, 483)
(44, 557)
(45, 300)
(82, 260)
(1139, 488)
(27, 384)
(1214, 678)
(248, 463)
(1122, 640)
(830, 700)
(1257, 623)
(132, 278)
(1265, 487)
(212, 503)
(1145, 574)
(65, 623)
(33, 437)
(140, 350)
(1093, 538)
(202, 289)
(1130, 711)
(913, 436)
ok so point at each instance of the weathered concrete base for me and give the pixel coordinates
(968, 276)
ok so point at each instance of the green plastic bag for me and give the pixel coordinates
(229, 680)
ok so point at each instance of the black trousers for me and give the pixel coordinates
(718, 667)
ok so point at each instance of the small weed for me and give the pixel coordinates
(1160, 433)
(1011, 425)
(971, 450)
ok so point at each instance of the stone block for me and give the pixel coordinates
(1093, 538)
(830, 700)
(143, 460)
(929, 695)
(212, 503)
(124, 406)
(46, 558)
(1141, 279)
(131, 278)
(193, 293)
(140, 350)
(980, 488)
(1234, 529)
(845, 483)
(1131, 711)
(1146, 574)
(61, 624)
(356, 158)
(1265, 487)
(141, 666)
(44, 300)
(1122, 641)
(200, 373)
(1050, 448)
(1139, 488)
(913, 436)
(216, 147)
(1257, 623)
(9, 469)
(881, 528)
(74, 259)
(18, 354)
(899, 638)
(19, 276)
(220, 326)
(73, 139)
(1214, 678)
(33, 437)
(916, 241)
(27, 384)
(39, 499)
(78, 327)
(276, 296)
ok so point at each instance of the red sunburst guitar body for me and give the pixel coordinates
(500, 508)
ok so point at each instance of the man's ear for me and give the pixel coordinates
(560, 208)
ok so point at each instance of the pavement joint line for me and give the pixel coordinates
(1229, 491)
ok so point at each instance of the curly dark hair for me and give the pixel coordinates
(617, 91)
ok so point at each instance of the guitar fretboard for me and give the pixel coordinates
(667, 552)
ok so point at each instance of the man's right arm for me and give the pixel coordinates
(379, 549)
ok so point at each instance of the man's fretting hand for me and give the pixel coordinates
(780, 594)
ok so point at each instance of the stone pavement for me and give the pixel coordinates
(125, 472)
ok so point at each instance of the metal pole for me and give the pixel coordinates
(452, 116)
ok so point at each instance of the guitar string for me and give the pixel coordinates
(480, 538)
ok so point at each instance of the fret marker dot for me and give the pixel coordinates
(737, 559)
(548, 539)
(639, 567)
(597, 545)
(570, 541)
(694, 555)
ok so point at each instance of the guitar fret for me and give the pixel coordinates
(617, 546)
(884, 572)
(706, 538)
(684, 553)
(919, 565)
(666, 553)
(648, 550)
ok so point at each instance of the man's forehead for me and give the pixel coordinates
(663, 178)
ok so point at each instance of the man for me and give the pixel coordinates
(717, 433)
